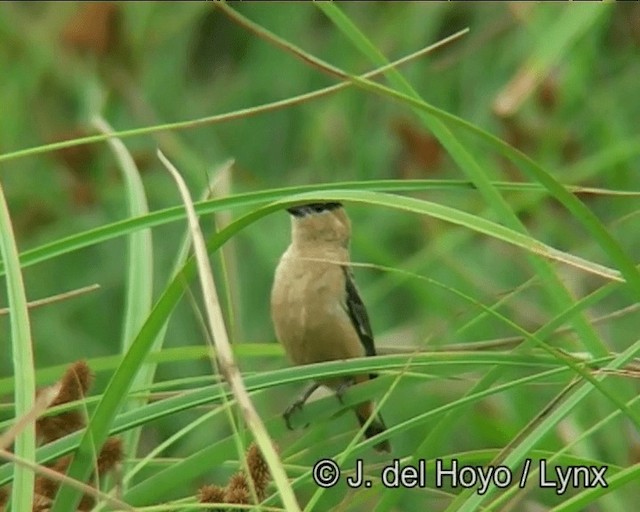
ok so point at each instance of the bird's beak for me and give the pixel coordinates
(298, 211)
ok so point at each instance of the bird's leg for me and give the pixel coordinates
(299, 403)
(342, 388)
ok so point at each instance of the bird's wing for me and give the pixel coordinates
(358, 314)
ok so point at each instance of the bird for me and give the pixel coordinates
(316, 308)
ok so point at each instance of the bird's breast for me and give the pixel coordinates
(307, 306)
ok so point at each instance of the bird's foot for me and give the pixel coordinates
(299, 404)
(286, 415)
(342, 388)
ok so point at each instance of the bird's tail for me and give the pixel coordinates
(375, 427)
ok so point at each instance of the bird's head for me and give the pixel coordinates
(320, 222)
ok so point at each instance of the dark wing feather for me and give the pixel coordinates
(358, 314)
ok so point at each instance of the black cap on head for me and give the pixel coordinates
(306, 209)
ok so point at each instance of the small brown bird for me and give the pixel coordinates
(315, 306)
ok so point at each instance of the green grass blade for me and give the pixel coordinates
(139, 282)
(22, 358)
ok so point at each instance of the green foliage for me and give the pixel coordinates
(492, 186)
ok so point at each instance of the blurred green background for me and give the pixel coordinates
(141, 64)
